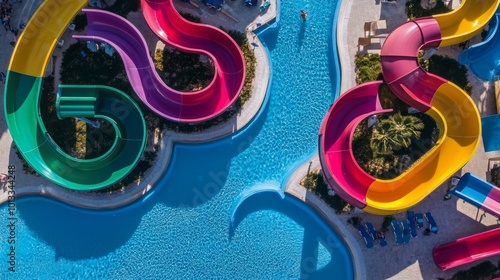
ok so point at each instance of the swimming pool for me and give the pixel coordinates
(181, 230)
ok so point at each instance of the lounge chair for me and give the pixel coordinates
(406, 231)
(376, 28)
(382, 240)
(371, 230)
(432, 223)
(398, 234)
(420, 220)
(264, 6)
(413, 226)
(366, 236)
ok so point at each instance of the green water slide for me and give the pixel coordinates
(43, 154)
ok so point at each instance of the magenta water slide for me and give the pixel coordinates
(468, 249)
(189, 107)
(164, 20)
(342, 119)
(478, 246)
(400, 66)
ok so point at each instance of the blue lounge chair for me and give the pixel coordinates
(382, 241)
(413, 226)
(398, 235)
(420, 220)
(263, 7)
(366, 236)
(432, 223)
(371, 230)
(406, 231)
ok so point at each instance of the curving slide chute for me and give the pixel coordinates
(22, 92)
(451, 108)
(483, 58)
(478, 246)
(335, 139)
(168, 25)
(189, 107)
(468, 249)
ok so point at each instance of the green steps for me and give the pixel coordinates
(76, 103)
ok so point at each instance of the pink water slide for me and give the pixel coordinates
(164, 20)
(189, 107)
(350, 109)
(478, 246)
(400, 66)
(468, 249)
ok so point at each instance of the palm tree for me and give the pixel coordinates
(406, 128)
(394, 133)
(383, 141)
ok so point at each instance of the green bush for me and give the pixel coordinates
(185, 71)
(315, 183)
(451, 70)
(80, 22)
(367, 68)
(123, 7)
(481, 271)
(415, 10)
(386, 223)
(495, 176)
(355, 221)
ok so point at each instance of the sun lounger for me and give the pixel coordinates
(264, 6)
(413, 226)
(366, 236)
(375, 28)
(432, 224)
(420, 220)
(382, 240)
(398, 234)
(365, 41)
(371, 230)
(406, 231)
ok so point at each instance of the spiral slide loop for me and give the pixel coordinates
(451, 108)
(22, 93)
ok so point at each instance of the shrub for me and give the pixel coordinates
(386, 223)
(415, 10)
(480, 271)
(123, 7)
(367, 68)
(495, 175)
(355, 221)
(315, 183)
(451, 70)
(80, 22)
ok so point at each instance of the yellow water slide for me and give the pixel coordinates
(456, 115)
(39, 38)
(466, 21)
(453, 110)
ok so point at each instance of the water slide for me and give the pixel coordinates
(484, 58)
(478, 246)
(186, 36)
(22, 92)
(174, 30)
(451, 108)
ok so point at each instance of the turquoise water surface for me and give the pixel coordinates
(182, 230)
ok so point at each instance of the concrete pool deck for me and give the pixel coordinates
(409, 261)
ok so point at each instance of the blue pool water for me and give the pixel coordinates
(182, 229)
